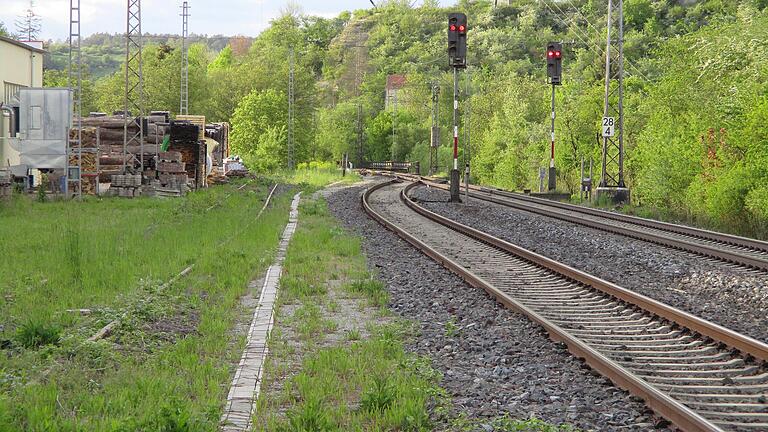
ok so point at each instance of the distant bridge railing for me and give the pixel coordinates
(404, 167)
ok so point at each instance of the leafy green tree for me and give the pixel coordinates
(3, 30)
(57, 78)
(260, 119)
(162, 81)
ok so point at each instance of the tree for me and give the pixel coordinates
(29, 25)
(4, 30)
(58, 78)
(162, 80)
(258, 128)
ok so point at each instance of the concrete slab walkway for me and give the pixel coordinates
(246, 385)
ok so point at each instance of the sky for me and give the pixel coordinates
(227, 17)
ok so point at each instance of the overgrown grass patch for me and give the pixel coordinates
(167, 364)
(353, 372)
(320, 251)
(370, 384)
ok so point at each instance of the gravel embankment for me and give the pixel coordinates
(732, 297)
(494, 361)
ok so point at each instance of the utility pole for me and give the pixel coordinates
(290, 109)
(184, 104)
(612, 182)
(358, 83)
(434, 142)
(133, 111)
(457, 58)
(74, 173)
(359, 135)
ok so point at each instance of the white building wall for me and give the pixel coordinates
(19, 67)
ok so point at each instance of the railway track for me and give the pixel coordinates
(740, 251)
(698, 375)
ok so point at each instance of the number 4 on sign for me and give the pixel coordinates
(608, 126)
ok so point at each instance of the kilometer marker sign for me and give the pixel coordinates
(608, 128)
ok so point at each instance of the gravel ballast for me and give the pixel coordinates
(722, 293)
(494, 361)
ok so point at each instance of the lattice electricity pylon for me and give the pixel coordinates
(74, 174)
(613, 147)
(184, 105)
(358, 83)
(134, 84)
(290, 109)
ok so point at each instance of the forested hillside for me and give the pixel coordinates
(695, 98)
(104, 53)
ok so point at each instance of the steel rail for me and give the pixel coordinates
(650, 223)
(710, 250)
(662, 403)
(731, 338)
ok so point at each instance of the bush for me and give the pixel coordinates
(34, 334)
(379, 396)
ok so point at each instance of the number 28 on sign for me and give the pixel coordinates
(608, 127)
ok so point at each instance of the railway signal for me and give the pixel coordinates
(457, 58)
(457, 40)
(555, 62)
(554, 74)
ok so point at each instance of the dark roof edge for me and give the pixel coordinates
(21, 44)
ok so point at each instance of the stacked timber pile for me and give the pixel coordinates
(197, 120)
(89, 169)
(126, 185)
(112, 134)
(89, 163)
(185, 140)
(110, 141)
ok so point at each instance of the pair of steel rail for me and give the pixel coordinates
(697, 374)
(741, 251)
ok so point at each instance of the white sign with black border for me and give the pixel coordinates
(608, 127)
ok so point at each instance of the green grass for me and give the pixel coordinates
(370, 384)
(361, 382)
(315, 175)
(167, 365)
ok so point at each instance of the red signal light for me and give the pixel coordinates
(462, 28)
(557, 54)
(550, 54)
(452, 27)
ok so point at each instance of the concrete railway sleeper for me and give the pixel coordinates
(739, 251)
(698, 375)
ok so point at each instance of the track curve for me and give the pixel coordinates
(700, 376)
(739, 251)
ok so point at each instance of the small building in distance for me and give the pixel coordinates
(394, 84)
(21, 66)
